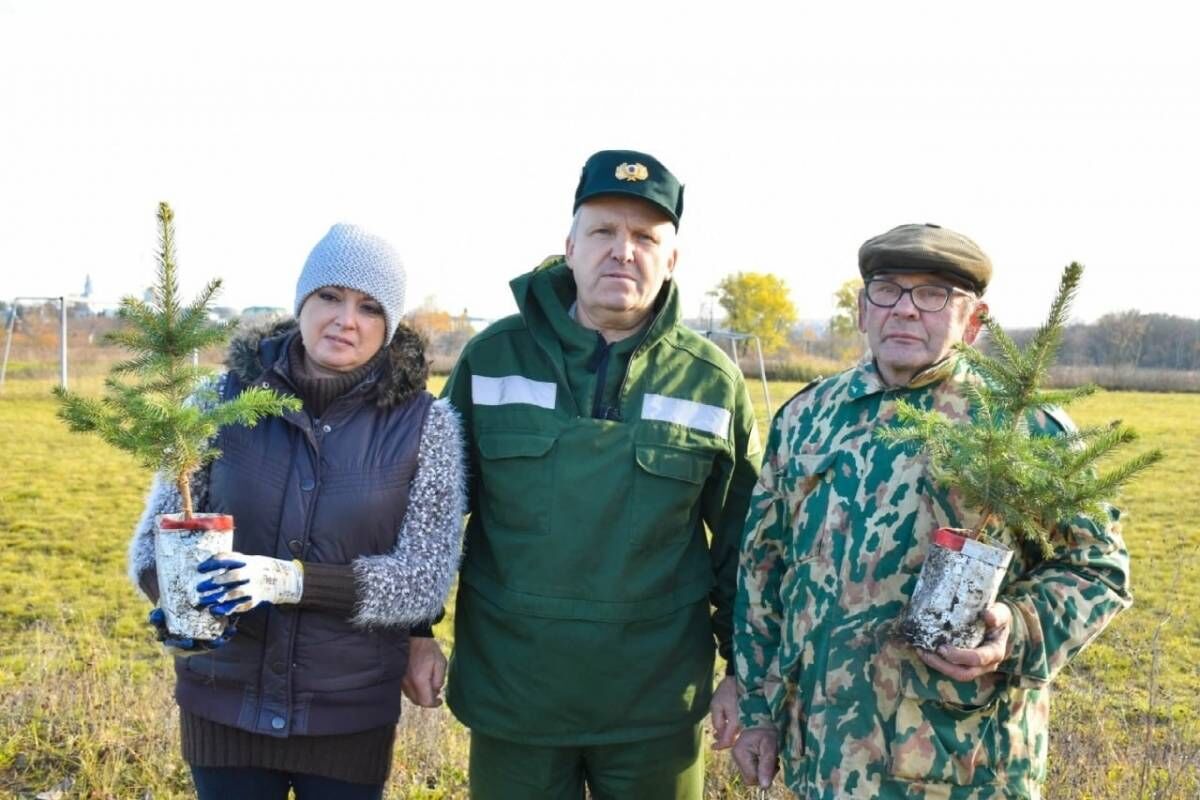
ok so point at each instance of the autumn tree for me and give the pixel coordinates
(445, 334)
(758, 303)
(844, 337)
(430, 321)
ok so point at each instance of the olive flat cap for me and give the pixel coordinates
(926, 248)
(634, 174)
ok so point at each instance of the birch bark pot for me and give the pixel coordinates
(960, 578)
(179, 547)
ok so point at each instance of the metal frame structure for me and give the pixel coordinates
(62, 338)
(734, 337)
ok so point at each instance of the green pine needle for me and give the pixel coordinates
(168, 413)
(1000, 463)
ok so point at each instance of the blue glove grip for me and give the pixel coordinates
(213, 585)
(158, 619)
(225, 609)
(212, 564)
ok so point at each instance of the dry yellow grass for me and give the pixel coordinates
(87, 694)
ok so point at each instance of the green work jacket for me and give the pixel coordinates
(601, 554)
(837, 530)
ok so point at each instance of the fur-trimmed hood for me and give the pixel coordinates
(404, 372)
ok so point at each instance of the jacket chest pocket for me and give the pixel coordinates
(808, 488)
(667, 483)
(516, 481)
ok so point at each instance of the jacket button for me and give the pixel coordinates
(326, 428)
(296, 546)
(307, 484)
(278, 722)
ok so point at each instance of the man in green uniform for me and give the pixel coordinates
(612, 452)
(838, 528)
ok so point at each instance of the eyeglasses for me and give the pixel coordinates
(928, 297)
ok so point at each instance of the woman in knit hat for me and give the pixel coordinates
(348, 521)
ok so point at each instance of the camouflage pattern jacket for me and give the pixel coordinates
(837, 530)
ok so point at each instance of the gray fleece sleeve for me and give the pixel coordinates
(410, 584)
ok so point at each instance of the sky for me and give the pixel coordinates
(1047, 132)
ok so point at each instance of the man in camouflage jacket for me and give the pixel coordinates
(837, 530)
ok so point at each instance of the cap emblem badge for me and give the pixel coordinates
(632, 172)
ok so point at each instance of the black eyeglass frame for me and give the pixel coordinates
(911, 292)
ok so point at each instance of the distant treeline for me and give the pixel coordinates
(1124, 339)
(1125, 350)
(1129, 339)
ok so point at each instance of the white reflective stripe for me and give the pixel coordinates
(511, 389)
(702, 417)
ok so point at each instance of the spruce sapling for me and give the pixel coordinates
(1027, 483)
(168, 414)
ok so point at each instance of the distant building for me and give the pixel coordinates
(84, 305)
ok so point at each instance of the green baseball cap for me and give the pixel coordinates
(926, 248)
(628, 172)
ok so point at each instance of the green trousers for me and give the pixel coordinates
(670, 768)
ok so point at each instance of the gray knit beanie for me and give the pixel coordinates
(352, 258)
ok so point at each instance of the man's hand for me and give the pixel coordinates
(967, 665)
(240, 582)
(723, 710)
(756, 754)
(426, 672)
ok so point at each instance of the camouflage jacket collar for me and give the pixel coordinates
(865, 379)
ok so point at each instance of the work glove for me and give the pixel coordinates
(240, 582)
(185, 647)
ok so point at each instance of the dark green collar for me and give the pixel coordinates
(545, 295)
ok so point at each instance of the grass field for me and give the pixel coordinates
(87, 696)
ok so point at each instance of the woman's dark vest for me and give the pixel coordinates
(329, 491)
